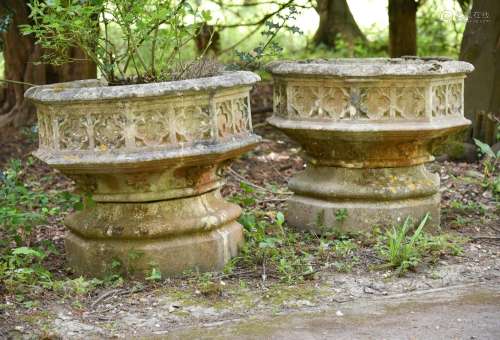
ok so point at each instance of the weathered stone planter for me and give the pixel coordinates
(367, 127)
(149, 156)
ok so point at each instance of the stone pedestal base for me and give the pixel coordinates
(173, 236)
(305, 213)
(359, 199)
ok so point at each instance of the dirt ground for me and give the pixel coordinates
(175, 307)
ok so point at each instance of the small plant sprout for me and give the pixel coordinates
(401, 250)
(154, 275)
(490, 167)
(139, 41)
(341, 215)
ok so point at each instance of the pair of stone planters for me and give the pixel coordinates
(149, 155)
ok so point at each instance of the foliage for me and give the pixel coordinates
(439, 30)
(139, 41)
(470, 206)
(490, 164)
(22, 210)
(400, 249)
(147, 36)
(270, 48)
(274, 248)
(341, 214)
(403, 251)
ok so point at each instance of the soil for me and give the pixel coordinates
(178, 307)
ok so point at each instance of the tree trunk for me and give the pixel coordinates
(481, 47)
(208, 40)
(402, 27)
(336, 21)
(20, 56)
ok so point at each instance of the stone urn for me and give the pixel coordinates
(367, 127)
(149, 158)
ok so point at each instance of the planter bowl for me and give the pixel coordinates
(149, 157)
(367, 127)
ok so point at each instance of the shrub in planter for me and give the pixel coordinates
(147, 151)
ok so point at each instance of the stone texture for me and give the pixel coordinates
(370, 196)
(149, 157)
(372, 67)
(367, 126)
(462, 152)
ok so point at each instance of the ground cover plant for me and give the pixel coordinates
(25, 209)
(490, 166)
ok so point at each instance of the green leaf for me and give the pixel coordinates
(206, 15)
(280, 218)
(155, 275)
(249, 221)
(484, 148)
(28, 252)
(246, 188)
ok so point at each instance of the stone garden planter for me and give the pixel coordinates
(149, 155)
(367, 127)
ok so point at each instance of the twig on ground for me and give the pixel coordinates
(494, 228)
(104, 296)
(270, 200)
(485, 237)
(242, 179)
(264, 276)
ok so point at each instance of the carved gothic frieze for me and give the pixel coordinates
(170, 123)
(365, 101)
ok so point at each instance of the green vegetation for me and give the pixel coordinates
(144, 41)
(24, 211)
(277, 250)
(439, 30)
(143, 36)
(272, 251)
(490, 165)
(403, 251)
(139, 41)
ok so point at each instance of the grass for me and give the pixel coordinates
(403, 250)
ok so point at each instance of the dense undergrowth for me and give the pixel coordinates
(25, 257)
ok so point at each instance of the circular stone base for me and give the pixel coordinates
(318, 215)
(202, 251)
(360, 199)
(188, 233)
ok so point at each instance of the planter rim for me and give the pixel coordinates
(371, 67)
(90, 162)
(97, 89)
(369, 126)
